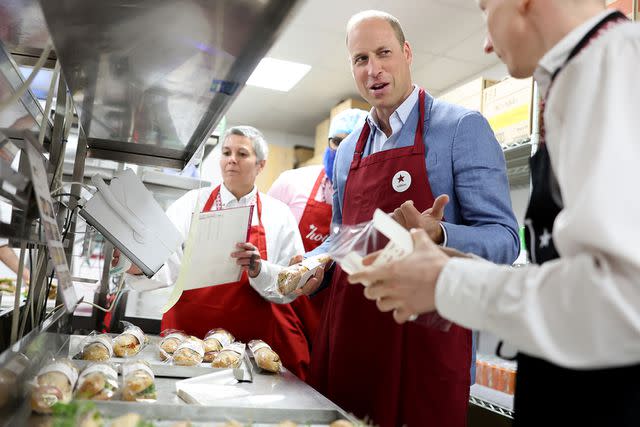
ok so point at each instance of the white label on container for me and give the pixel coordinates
(129, 368)
(192, 345)
(257, 345)
(136, 332)
(63, 368)
(222, 338)
(180, 337)
(237, 346)
(104, 340)
(101, 368)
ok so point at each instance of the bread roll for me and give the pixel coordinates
(265, 357)
(230, 356)
(214, 341)
(53, 384)
(129, 342)
(190, 352)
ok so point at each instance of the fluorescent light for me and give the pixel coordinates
(277, 74)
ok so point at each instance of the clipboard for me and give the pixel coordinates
(207, 257)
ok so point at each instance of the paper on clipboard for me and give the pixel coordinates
(207, 257)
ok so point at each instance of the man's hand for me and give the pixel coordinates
(409, 217)
(406, 287)
(312, 284)
(116, 259)
(248, 257)
(314, 281)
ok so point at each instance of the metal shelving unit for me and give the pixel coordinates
(492, 400)
(517, 158)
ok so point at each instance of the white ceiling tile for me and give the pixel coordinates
(446, 37)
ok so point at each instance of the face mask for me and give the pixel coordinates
(327, 161)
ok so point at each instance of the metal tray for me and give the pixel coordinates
(150, 354)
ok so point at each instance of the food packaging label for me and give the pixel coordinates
(101, 368)
(63, 368)
(254, 346)
(237, 346)
(222, 338)
(192, 345)
(136, 332)
(105, 341)
(132, 367)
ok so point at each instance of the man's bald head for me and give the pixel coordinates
(376, 14)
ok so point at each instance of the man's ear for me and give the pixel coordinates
(408, 54)
(261, 164)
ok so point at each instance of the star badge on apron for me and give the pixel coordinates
(401, 181)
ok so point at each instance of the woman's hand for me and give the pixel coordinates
(248, 257)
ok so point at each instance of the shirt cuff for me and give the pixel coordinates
(461, 291)
(444, 233)
(265, 283)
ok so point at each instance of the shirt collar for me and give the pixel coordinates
(401, 113)
(558, 54)
(226, 196)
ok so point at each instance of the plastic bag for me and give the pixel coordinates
(230, 356)
(171, 339)
(98, 381)
(190, 352)
(214, 341)
(264, 356)
(293, 277)
(350, 244)
(53, 384)
(130, 341)
(138, 382)
(96, 347)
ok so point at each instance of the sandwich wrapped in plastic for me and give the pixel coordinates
(190, 352)
(264, 356)
(230, 356)
(171, 339)
(138, 382)
(214, 341)
(296, 275)
(96, 347)
(53, 384)
(98, 381)
(130, 341)
(350, 244)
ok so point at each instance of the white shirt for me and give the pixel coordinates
(396, 121)
(582, 310)
(293, 188)
(281, 230)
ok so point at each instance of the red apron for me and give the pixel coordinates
(238, 308)
(314, 226)
(363, 361)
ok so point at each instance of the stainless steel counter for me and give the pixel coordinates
(268, 400)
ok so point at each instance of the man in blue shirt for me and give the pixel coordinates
(441, 157)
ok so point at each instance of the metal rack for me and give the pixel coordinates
(144, 85)
(492, 400)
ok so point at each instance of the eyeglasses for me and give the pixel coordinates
(336, 140)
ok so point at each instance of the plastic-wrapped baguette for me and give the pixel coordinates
(265, 357)
(230, 356)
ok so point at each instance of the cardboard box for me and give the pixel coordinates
(349, 103)
(624, 6)
(469, 95)
(301, 154)
(322, 137)
(508, 106)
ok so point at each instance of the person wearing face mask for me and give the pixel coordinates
(273, 240)
(574, 312)
(444, 161)
(308, 191)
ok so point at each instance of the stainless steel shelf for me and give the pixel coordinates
(517, 158)
(492, 400)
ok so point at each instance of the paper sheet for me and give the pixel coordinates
(207, 257)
